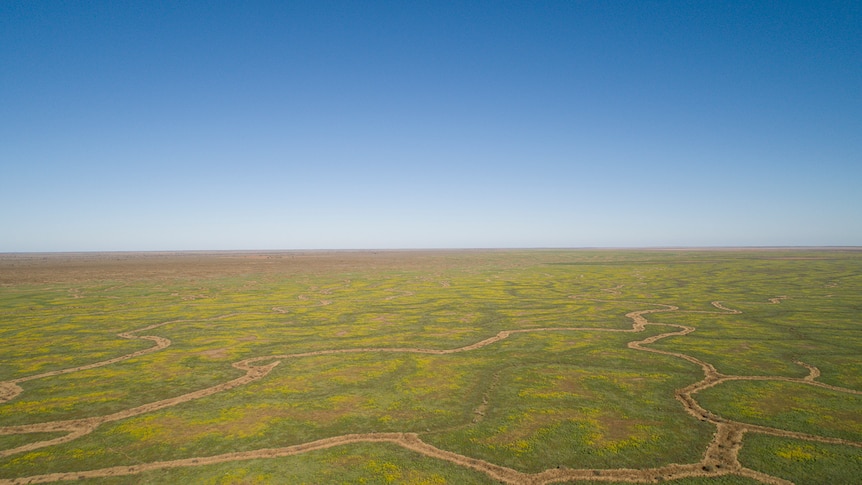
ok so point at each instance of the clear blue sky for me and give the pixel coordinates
(297, 125)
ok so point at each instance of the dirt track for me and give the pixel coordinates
(720, 457)
(10, 389)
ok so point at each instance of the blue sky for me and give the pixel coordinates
(312, 125)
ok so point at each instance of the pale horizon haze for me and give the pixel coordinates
(144, 126)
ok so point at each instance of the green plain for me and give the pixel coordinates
(533, 401)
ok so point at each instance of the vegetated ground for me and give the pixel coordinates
(540, 366)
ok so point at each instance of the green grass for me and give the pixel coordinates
(789, 406)
(803, 462)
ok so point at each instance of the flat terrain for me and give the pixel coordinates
(432, 367)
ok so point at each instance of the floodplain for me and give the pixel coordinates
(432, 367)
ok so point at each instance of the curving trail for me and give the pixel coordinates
(813, 372)
(80, 427)
(10, 389)
(720, 457)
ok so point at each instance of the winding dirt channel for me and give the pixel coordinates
(719, 458)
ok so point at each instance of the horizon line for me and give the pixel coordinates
(441, 249)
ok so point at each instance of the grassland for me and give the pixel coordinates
(691, 367)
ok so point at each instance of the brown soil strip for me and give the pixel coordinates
(9, 389)
(729, 311)
(412, 442)
(805, 380)
(407, 440)
(720, 457)
(486, 397)
(813, 372)
(81, 427)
